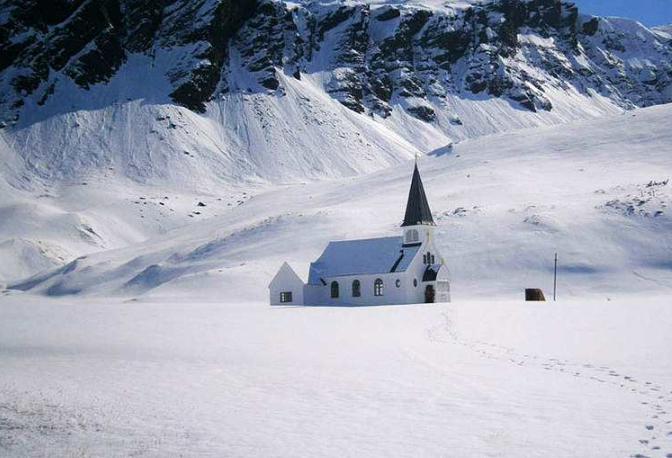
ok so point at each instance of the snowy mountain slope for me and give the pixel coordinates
(664, 30)
(93, 84)
(595, 191)
(55, 207)
(135, 149)
(48, 226)
(46, 223)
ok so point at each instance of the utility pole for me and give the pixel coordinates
(555, 276)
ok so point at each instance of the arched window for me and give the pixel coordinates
(433, 261)
(334, 290)
(397, 283)
(356, 288)
(424, 259)
(378, 287)
(429, 258)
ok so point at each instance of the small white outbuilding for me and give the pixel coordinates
(286, 287)
(392, 270)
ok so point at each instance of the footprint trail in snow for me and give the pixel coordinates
(656, 435)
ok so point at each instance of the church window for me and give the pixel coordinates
(378, 287)
(356, 288)
(424, 259)
(433, 261)
(397, 283)
(412, 236)
(429, 258)
(334, 290)
(285, 296)
(415, 282)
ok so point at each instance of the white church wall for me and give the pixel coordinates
(417, 234)
(416, 270)
(392, 294)
(418, 266)
(443, 285)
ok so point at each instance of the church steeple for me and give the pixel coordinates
(417, 208)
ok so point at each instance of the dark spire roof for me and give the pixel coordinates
(417, 208)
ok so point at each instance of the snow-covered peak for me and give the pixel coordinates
(430, 4)
(665, 30)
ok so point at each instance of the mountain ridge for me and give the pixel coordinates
(383, 51)
(426, 74)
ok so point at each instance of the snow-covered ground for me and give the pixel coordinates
(489, 379)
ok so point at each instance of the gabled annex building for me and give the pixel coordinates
(391, 270)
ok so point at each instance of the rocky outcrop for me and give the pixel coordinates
(88, 40)
(216, 23)
(372, 59)
(77, 39)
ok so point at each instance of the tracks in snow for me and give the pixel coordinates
(656, 436)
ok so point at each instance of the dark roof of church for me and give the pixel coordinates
(362, 257)
(417, 208)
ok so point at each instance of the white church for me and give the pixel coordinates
(389, 270)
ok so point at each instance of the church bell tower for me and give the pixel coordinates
(418, 223)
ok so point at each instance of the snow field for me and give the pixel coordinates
(500, 379)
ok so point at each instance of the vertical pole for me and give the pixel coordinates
(555, 276)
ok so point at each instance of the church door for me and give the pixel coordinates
(429, 294)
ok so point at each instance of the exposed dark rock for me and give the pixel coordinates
(334, 19)
(100, 63)
(270, 83)
(590, 28)
(226, 19)
(388, 14)
(47, 93)
(487, 48)
(422, 112)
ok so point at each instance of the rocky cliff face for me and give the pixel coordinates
(87, 41)
(373, 59)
